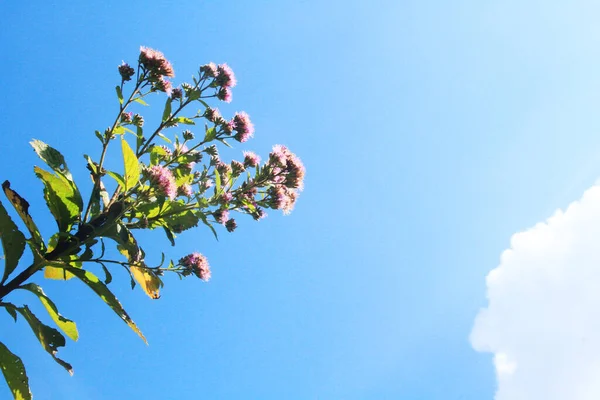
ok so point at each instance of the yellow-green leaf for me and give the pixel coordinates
(49, 338)
(132, 166)
(66, 325)
(149, 282)
(13, 242)
(106, 295)
(14, 374)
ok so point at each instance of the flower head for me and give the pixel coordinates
(197, 264)
(209, 69)
(185, 190)
(231, 225)
(224, 94)
(221, 216)
(225, 76)
(243, 126)
(162, 179)
(126, 72)
(251, 159)
(155, 62)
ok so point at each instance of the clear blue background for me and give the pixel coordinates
(431, 131)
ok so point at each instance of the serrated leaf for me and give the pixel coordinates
(14, 374)
(66, 325)
(117, 177)
(167, 110)
(13, 242)
(22, 207)
(59, 195)
(132, 166)
(49, 338)
(94, 283)
(119, 94)
(148, 280)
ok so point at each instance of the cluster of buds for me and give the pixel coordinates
(223, 79)
(162, 180)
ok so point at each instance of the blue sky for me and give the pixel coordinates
(431, 132)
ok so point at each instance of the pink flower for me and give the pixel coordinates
(221, 216)
(209, 69)
(225, 76)
(185, 190)
(212, 114)
(231, 225)
(155, 62)
(243, 126)
(251, 159)
(163, 85)
(224, 94)
(198, 264)
(126, 71)
(163, 181)
(226, 197)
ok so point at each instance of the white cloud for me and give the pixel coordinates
(542, 321)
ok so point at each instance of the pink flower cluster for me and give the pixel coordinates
(155, 62)
(243, 126)
(158, 66)
(287, 167)
(197, 264)
(251, 159)
(163, 180)
(224, 79)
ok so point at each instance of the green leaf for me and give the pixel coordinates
(157, 153)
(163, 137)
(51, 157)
(117, 177)
(170, 235)
(49, 338)
(119, 94)
(167, 111)
(13, 242)
(66, 325)
(94, 283)
(14, 374)
(107, 275)
(183, 221)
(60, 198)
(217, 182)
(139, 100)
(99, 136)
(211, 134)
(22, 207)
(12, 312)
(203, 218)
(185, 121)
(132, 166)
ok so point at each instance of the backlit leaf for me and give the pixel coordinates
(132, 166)
(66, 325)
(14, 374)
(94, 283)
(59, 195)
(148, 280)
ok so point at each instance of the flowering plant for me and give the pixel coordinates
(173, 186)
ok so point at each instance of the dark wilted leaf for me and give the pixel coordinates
(13, 242)
(22, 207)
